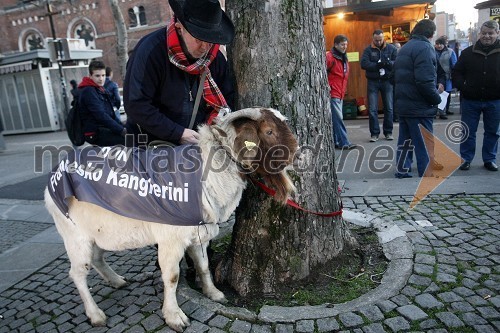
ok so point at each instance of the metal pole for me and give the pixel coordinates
(59, 61)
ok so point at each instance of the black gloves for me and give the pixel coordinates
(384, 63)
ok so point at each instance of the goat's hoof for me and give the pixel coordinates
(177, 320)
(217, 296)
(119, 282)
(97, 319)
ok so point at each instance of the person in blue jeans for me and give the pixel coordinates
(377, 61)
(338, 72)
(416, 99)
(477, 76)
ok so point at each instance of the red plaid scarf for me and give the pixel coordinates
(211, 93)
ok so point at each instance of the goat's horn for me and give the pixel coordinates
(252, 113)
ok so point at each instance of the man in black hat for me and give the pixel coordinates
(165, 69)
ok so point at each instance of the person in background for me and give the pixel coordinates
(446, 60)
(165, 70)
(100, 125)
(377, 61)
(477, 76)
(337, 67)
(395, 117)
(3, 146)
(74, 91)
(112, 88)
(416, 100)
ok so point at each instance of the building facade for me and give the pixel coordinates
(26, 25)
(445, 25)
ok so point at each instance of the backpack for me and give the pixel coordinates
(74, 125)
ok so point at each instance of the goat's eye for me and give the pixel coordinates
(269, 132)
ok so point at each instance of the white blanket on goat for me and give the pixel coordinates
(160, 185)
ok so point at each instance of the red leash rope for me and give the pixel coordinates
(293, 204)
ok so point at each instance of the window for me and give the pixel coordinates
(132, 18)
(30, 40)
(84, 29)
(137, 16)
(34, 42)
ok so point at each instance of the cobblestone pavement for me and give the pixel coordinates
(11, 235)
(453, 286)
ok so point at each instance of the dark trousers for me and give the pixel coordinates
(471, 114)
(411, 142)
(386, 90)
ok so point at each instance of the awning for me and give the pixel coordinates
(14, 68)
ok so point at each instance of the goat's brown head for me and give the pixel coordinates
(262, 143)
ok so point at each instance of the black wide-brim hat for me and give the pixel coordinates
(204, 20)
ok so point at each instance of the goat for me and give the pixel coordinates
(237, 144)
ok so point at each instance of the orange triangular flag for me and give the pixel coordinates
(443, 162)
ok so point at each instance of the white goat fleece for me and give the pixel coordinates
(90, 229)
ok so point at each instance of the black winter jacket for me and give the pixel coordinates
(159, 97)
(96, 110)
(372, 55)
(477, 73)
(415, 79)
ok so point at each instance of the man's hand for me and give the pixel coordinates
(440, 88)
(189, 136)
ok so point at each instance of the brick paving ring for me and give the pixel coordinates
(396, 247)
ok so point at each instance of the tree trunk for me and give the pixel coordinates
(121, 37)
(278, 59)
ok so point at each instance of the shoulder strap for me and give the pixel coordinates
(198, 98)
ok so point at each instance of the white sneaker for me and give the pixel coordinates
(389, 137)
(374, 138)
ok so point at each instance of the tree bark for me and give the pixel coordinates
(121, 37)
(278, 59)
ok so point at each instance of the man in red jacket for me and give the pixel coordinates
(338, 72)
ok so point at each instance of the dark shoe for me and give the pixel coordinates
(350, 146)
(450, 112)
(491, 166)
(442, 116)
(395, 120)
(347, 147)
(402, 175)
(465, 166)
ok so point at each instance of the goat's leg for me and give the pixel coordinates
(106, 272)
(80, 254)
(169, 257)
(198, 253)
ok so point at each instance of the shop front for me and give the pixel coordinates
(359, 21)
(31, 91)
